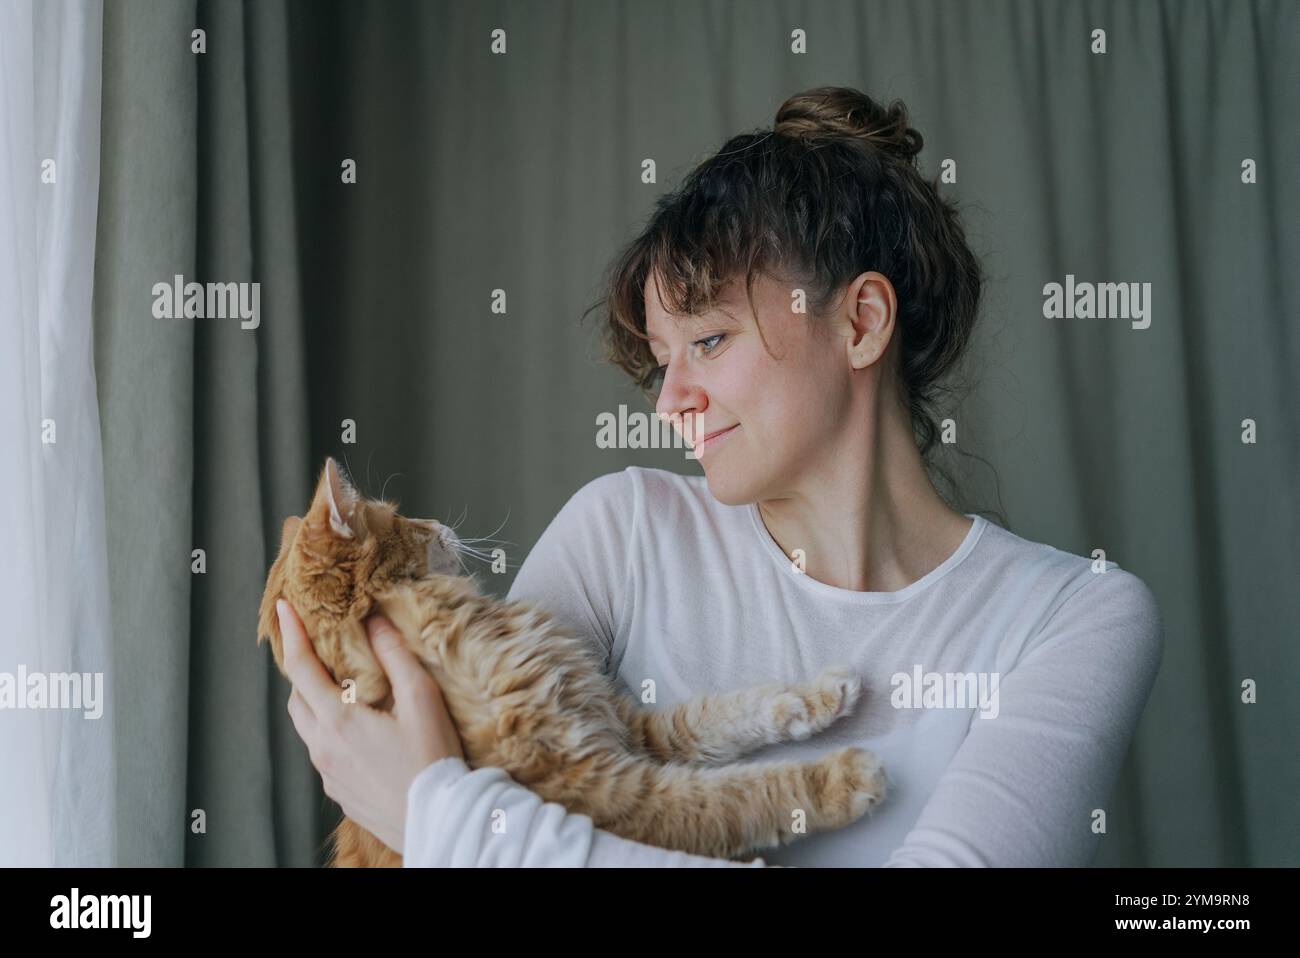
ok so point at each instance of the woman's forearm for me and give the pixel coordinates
(469, 818)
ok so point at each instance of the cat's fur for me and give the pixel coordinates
(532, 699)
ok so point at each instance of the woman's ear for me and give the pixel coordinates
(869, 318)
(335, 502)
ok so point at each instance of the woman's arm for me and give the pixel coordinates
(1025, 787)
(458, 817)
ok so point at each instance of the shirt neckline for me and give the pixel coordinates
(770, 546)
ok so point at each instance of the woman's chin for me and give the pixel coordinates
(725, 489)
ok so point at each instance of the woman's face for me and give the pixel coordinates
(785, 411)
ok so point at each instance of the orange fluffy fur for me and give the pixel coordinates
(530, 698)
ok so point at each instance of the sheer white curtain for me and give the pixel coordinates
(56, 756)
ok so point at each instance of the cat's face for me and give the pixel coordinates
(347, 548)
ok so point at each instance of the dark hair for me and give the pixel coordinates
(830, 191)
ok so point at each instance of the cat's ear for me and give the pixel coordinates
(288, 531)
(335, 502)
(268, 621)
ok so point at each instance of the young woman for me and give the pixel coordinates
(794, 307)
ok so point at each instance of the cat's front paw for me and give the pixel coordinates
(837, 690)
(854, 783)
(802, 711)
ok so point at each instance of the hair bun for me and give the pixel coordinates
(838, 112)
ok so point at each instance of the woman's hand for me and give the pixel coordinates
(368, 759)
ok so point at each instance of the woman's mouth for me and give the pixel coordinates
(712, 439)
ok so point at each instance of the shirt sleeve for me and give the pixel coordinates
(579, 570)
(460, 817)
(481, 818)
(1023, 788)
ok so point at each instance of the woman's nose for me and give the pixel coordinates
(679, 397)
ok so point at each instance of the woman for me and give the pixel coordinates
(795, 307)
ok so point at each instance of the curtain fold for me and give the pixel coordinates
(57, 800)
(204, 432)
(521, 172)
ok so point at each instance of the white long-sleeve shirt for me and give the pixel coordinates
(697, 596)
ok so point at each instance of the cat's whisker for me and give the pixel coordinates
(489, 538)
(453, 526)
(483, 539)
(483, 558)
(498, 542)
(385, 485)
(503, 523)
(462, 551)
(475, 553)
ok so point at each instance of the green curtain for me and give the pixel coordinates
(521, 172)
(205, 432)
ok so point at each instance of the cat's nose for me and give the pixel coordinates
(445, 535)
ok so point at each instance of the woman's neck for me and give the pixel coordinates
(868, 519)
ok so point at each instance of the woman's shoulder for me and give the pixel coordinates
(1089, 597)
(1022, 558)
(610, 496)
(660, 490)
(632, 477)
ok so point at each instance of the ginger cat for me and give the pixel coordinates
(531, 699)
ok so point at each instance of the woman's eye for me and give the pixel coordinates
(655, 378)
